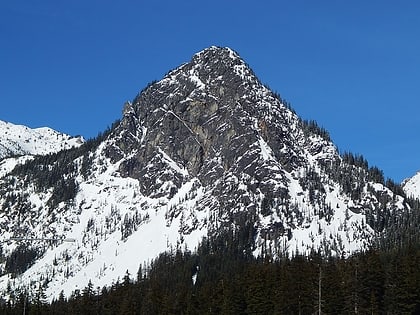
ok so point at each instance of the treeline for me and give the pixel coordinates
(46, 170)
(221, 282)
(394, 226)
(311, 127)
(55, 172)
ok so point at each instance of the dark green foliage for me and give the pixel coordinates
(356, 160)
(56, 172)
(394, 187)
(375, 282)
(394, 227)
(311, 127)
(46, 170)
(376, 175)
(20, 259)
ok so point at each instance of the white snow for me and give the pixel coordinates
(194, 78)
(21, 140)
(173, 164)
(266, 151)
(411, 186)
(117, 228)
(100, 254)
(7, 165)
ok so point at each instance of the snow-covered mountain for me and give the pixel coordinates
(411, 186)
(204, 152)
(21, 140)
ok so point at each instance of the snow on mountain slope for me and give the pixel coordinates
(411, 186)
(103, 205)
(206, 151)
(21, 140)
(8, 164)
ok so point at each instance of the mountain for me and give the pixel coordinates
(19, 144)
(207, 154)
(20, 140)
(411, 186)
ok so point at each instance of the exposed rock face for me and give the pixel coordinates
(206, 150)
(211, 117)
(212, 122)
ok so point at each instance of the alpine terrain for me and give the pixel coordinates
(20, 140)
(411, 186)
(19, 143)
(206, 153)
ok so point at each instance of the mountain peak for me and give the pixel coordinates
(208, 151)
(200, 107)
(22, 140)
(218, 53)
(214, 64)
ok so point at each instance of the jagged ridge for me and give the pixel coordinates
(206, 149)
(21, 140)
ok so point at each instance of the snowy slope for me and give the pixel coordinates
(21, 140)
(207, 149)
(411, 186)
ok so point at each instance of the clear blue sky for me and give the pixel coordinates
(353, 66)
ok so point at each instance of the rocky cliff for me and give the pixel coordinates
(207, 151)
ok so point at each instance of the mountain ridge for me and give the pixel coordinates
(22, 140)
(206, 151)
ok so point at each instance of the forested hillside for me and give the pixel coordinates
(227, 199)
(217, 280)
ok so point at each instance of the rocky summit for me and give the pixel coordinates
(206, 153)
